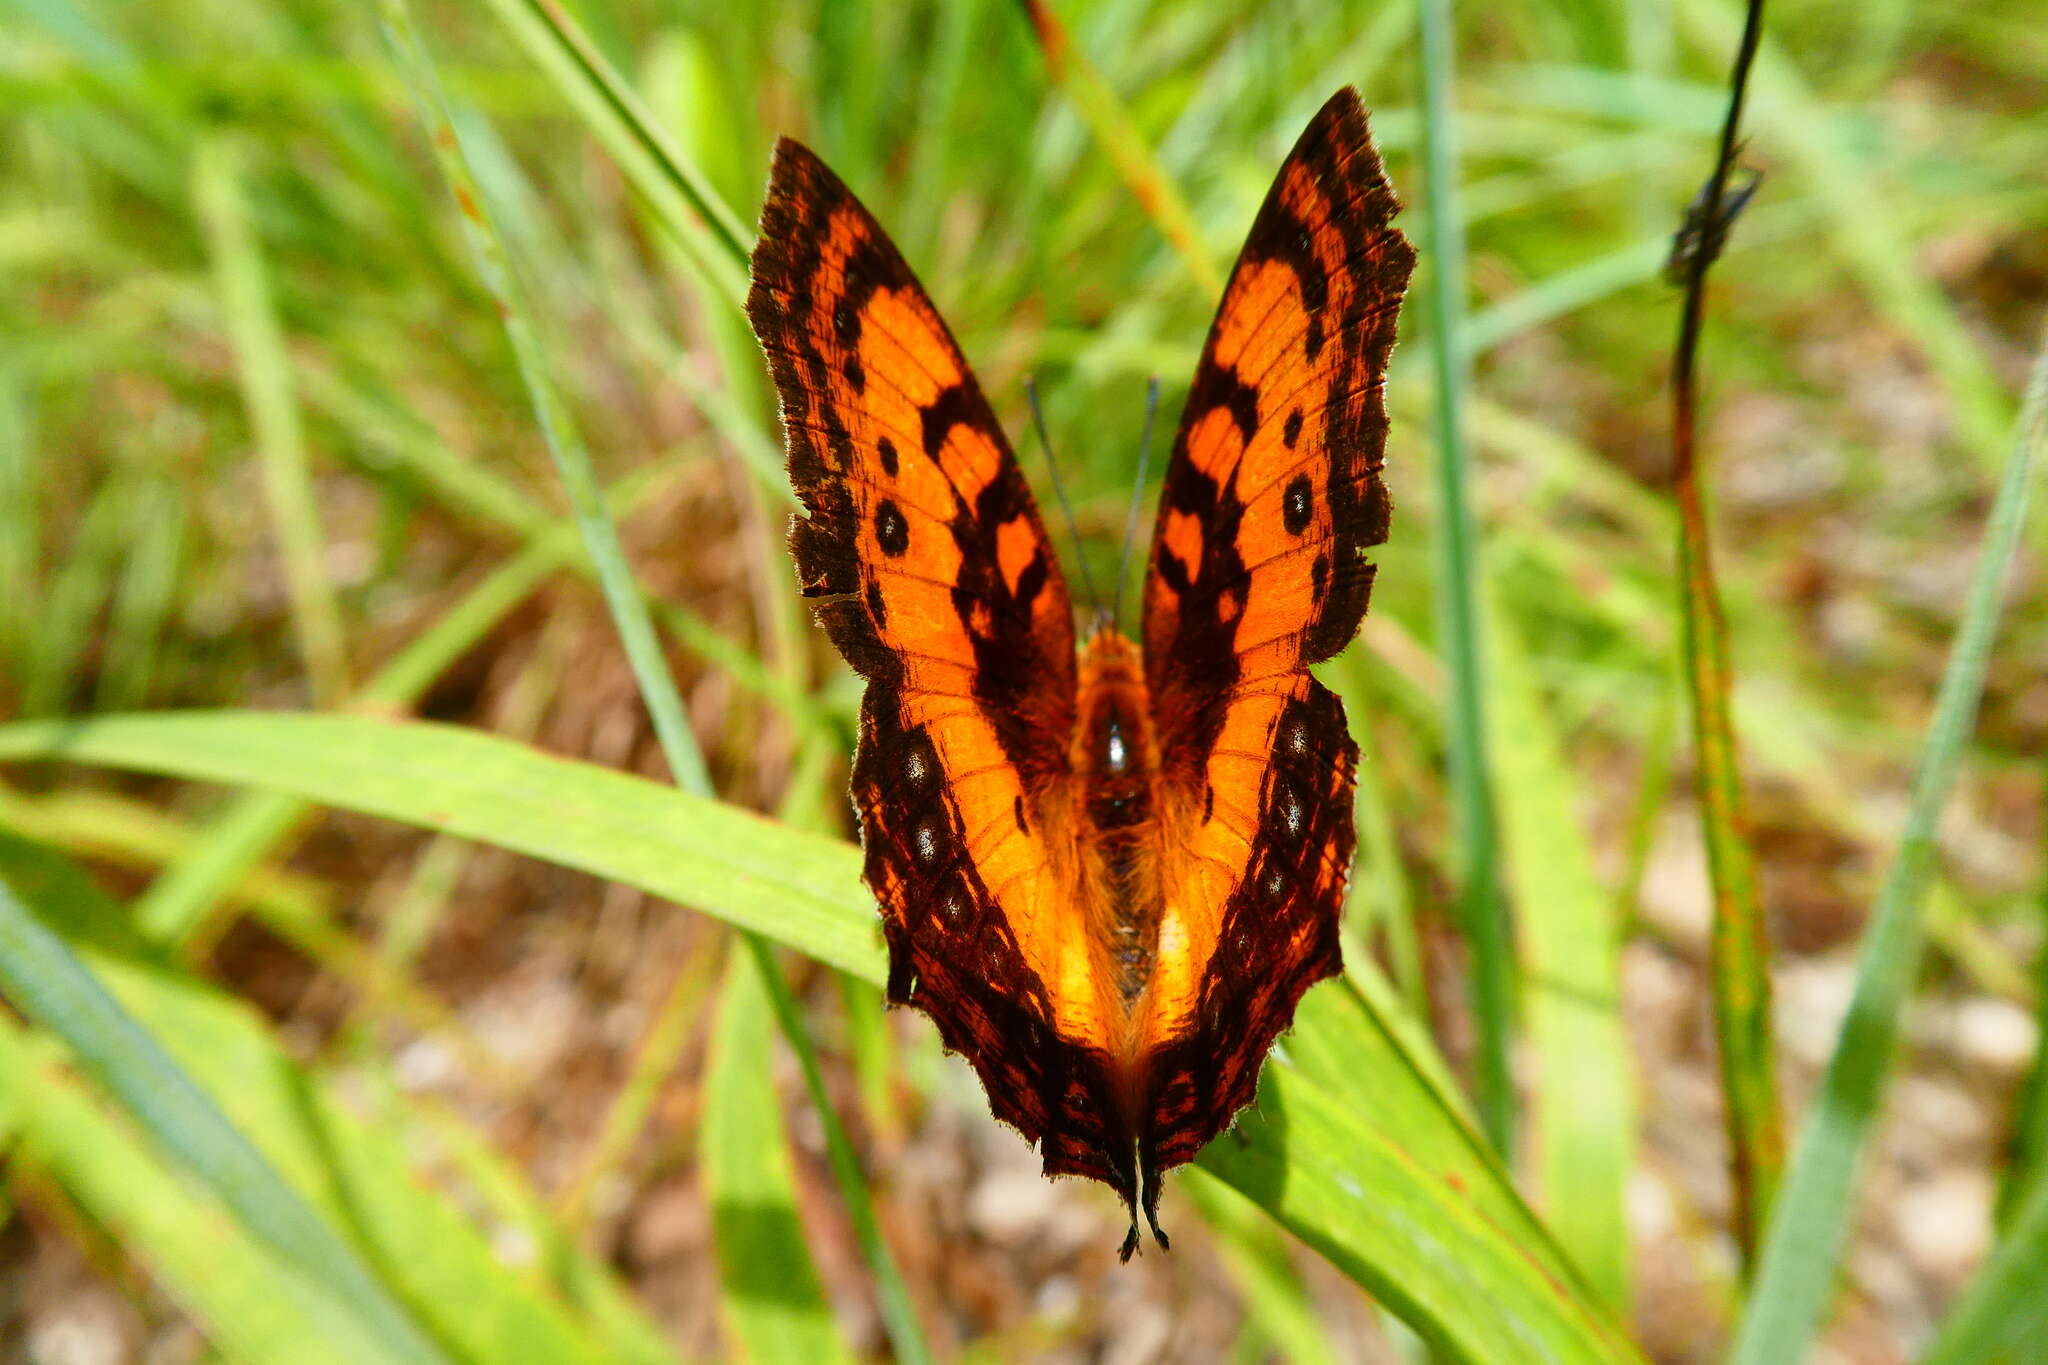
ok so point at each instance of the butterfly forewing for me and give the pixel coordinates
(930, 568)
(1272, 496)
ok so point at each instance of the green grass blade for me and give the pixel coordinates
(47, 983)
(1796, 1274)
(1740, 956)
(145, 601)
(175, 906)
(1069, 70)
(713, 242)
(1256, 1256)
(1582, 1122)
(125, 832)
(2029, 1162)
(900, 1318)
(654, 1058)
(1343, 1187)
(368, 1179)
(772, 1303)
(622, 596)
(1369, 1081)
(273, 414)
(2003, 1315)
(565, 444)
(247, 1300)
(21, 529)
(68, 611)
(1381, 896)
(800, 890)
(588, 1288)
(1481, 911)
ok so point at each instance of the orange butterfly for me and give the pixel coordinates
(1107, 879)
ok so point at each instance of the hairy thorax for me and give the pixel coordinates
(1116, 797)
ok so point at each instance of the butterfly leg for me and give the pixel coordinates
(1148, 1169)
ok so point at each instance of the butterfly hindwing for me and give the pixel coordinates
(1272, 496)
(927, 562)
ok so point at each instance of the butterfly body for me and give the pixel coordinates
(1107, 870)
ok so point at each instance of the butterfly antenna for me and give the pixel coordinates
(1123, 563)
(1060, 491)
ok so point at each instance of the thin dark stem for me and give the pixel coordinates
(1740, 948)
(1060, 491)
(1123, 563)
(1710, 210)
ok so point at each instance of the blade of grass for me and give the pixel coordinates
(174, 907)
(661, 1046)
(1349, 1192)
(1481, 912)
(144, 601)
(713, 242)
(1740, 949)
(565, 444)
(127, 833)
(248, 1301)
(1503, 1286)
(2001, 1318)
(772, 1304)
(1393, 911)
(367, 1179)
(21, 529)
(591, 1289)
(1256, 1256)
(1070, 71)
(43, 979)
(2029, 1163)
(1796, 1273)
(1583, 1120)
(68, 613)
(628, 609)
(893, 1297)
(273, 413)
(795, 888)
(900, 1318)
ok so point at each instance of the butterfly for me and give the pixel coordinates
(1107, 874)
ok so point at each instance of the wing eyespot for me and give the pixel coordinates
(1290, 811)
(892, 532)
(1298, 505)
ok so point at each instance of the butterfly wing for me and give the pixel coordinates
(931, 570)
(1258, 569)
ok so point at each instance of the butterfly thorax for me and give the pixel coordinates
(1115, 764)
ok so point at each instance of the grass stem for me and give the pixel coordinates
(1740, 951)
(1797, 1271)
(1481, 910)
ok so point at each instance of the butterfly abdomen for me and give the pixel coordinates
(1115, 768)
